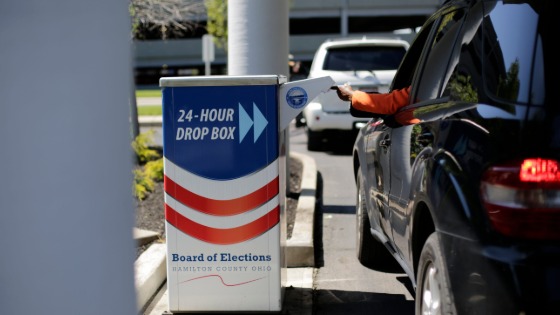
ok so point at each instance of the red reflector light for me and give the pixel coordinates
(522, 198)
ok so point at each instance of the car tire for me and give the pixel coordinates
(314, 140)
(370, 252)
(433, 294)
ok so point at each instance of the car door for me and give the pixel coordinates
(377, 167)
(378, 142)
(406, 141)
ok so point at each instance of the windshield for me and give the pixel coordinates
(366, 58)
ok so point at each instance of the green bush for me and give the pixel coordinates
(150, 168)
(141, 146)
(143, 184)
(154, 169)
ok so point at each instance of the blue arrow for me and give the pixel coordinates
(260, 122)
(245, 123)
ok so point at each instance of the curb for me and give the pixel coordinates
(300, 251)
(150, 267)
(143, 236)
(149, 273)
(150, 121)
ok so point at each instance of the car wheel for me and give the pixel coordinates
(314, 140)
(433, 295)
(370, 252)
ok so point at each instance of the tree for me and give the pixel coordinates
(168, 17)
(508, 87)
(217, 22)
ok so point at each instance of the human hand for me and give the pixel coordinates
(344, 92)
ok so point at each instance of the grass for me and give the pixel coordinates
(148, 93)
(154, 110)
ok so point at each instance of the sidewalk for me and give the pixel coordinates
(150, 267)
(150, 121)
(147, 101)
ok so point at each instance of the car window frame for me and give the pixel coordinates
(413, 64)
(413, 57)
(407, 71)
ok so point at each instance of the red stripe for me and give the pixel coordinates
(223, 236)
(221, 207)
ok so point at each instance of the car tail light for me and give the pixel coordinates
(522, 198)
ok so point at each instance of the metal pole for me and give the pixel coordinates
(258, 40)
(258, 37)
(344, 18)
(66, 191)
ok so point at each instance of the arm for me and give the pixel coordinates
(385, 103)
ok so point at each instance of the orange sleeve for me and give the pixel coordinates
(406, 117)
(386, 104)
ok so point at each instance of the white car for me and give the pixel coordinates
(367, 64)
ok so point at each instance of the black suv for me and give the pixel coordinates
(467, 197)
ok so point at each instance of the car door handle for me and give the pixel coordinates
(385, 143)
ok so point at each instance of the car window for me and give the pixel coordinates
(516, 55)
(434, 71)
(363, 58)
(464, 81)
(407, 68)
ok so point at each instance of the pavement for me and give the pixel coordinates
(150, 267)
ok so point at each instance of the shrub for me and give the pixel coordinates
(142, 184)
(141, 146)
(150, 169)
